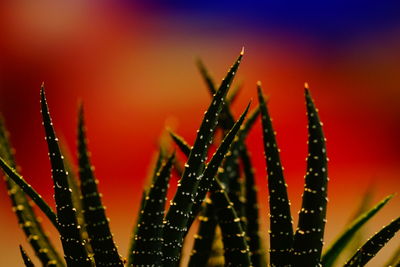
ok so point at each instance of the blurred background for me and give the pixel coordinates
(133, 65)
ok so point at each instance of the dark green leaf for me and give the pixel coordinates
(27, 188)
(374, 244)
(76, 195)
(26, 216)
(204, 238)
(147, 249)
(332, 253)
(281, 230)
(27, 261)
(179, 212)
(258, 256)
(75, 252)
(215, 163)
(236, 249)
(308, 239)
(181, 143)
(154, 170)
(97, 226)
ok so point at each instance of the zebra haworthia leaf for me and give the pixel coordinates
(251, 212)
(28, 189)
(179, 212)
(154, 170)
(308, 239)
(27, 261)
(204, 238)
(374, 244)
(147, 250)
(281, 229)
(215, 162)
(97, 226)
(27, 218)
(76, 195)
(75, 252)
(181, 143)
(236, 249)
(332, 253)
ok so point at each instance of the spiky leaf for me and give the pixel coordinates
(251, 212)
(26, 216)
(179, 212)
(75, 252)
(281, 229)
(76, 194)
(204, 238)
(97, 226)
(154, 170)
(27, 261)
(332, 253)
(374, 244)
(308, 239)
(28, 189)
(215, 162)
(147, 249)
(181, 143)
(236, 249)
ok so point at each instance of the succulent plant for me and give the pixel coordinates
(220, 193)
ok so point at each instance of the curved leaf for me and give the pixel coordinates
(308, 239)
(236, 249)
(27, 261)
(97, 223)
(203, 240)
(147, 249)
(74, 247)
(26, 216)
(281, 229)
(332, 253)
(374, 244)
(179, 212)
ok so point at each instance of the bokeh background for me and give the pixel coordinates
(133, 65)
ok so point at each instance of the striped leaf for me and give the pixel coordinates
(75, 252)
(204, 238)
(135, 230)
(147, 249)
(281, 230)
(26, 216)
(179, 212)
(97, 223)
(27, 261)
(181, 143)
(154, 170)
(236, 249)
(28, 189)
(215, 162)
(374, 244)
(76, 195)
(332, 253)
(308, 239)
(258, 257)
